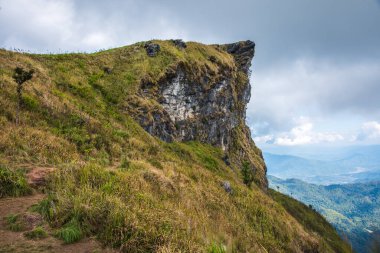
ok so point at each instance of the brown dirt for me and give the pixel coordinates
(16, 242)
(37, 176)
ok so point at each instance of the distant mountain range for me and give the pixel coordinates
(354, 209)
(339, 166)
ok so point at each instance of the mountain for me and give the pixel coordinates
(354, 209)
(144, 148)
(344, 165)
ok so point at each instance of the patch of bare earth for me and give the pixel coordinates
(16, 241)
(37, 176)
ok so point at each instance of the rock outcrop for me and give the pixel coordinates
(206, 106)
(179, 44)
(201, 109)
(243, 53)
(152, 49)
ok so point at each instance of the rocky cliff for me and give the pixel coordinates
(148, 151)
(204, 104)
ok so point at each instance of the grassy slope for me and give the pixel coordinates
(310, 219)
(116, 181)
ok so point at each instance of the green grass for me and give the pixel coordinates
(36, 233)
(140, 210)
(70, 232)
(13, 183)
(216, 248)
(125, 163)
(14, 223)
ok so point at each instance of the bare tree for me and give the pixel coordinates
(21, 76)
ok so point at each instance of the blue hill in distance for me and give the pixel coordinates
(336, 166)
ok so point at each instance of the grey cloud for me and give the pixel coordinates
(68, 25)
(337, 40)
(281, 30)
(313, 88)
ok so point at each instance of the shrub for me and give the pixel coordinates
(14, 223)
(20, 76)
(30, 103)
(13, 183)
(125, 163)
(247, 173)
(71, 232)
(156, 163)
(216, 248)
(37, 233)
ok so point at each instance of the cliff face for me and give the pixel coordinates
(205, 105)
(201, 108)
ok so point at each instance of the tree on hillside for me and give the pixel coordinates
(247, 173)
(20, 76)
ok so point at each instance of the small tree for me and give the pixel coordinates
(247, 173)
(21, 76)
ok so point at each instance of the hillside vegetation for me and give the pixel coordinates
(114, 181)
(352, 208)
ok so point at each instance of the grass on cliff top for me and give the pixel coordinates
(76, 102)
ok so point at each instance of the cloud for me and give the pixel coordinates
(282, 30)
(267, 139)
(68, 25)
(315, 58)
(302, 134)
(369, 131)
(314, 87)
(25, 24)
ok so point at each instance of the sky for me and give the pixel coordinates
(316, 72)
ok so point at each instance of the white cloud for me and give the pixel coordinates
(369, 131)
(47, 23)
(68, 25)
(97, 40)
(264, 139)
(338, 96)
(302, 134)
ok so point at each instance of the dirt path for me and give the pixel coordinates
(17, 242)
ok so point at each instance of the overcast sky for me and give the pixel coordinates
(316, 73)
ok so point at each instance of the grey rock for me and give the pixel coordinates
(226, 186)
(243, 52)
(179, 43)
(197, 103)
(152, 49)
(202, 110)
(107, 70)
(226, 160)
(197, 113)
